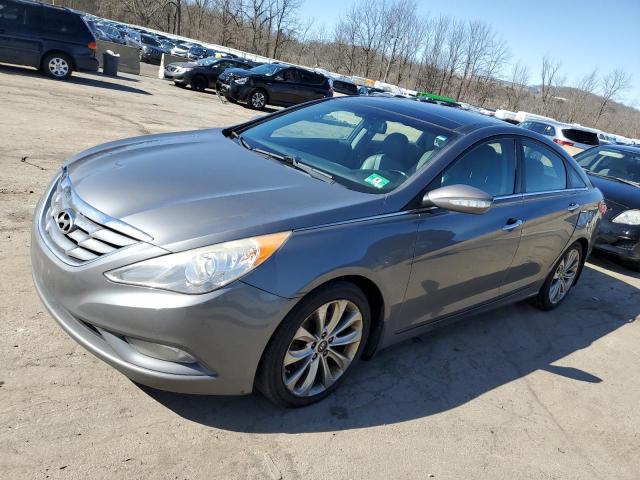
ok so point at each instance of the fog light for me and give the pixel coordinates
(161, 352)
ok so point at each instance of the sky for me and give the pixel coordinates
(581, 34)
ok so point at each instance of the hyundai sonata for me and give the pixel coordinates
(274, 254)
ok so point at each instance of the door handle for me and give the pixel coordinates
(573, 206)
(512, 224)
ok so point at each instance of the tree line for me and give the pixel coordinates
(388, 40)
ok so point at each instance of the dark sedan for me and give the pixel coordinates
(203, 73)
(615, 170)
(274, 84)
(152, 49)
(273, 255)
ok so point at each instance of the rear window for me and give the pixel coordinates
(310, 78)
(581, 136)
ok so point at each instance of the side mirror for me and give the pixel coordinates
(459, 198)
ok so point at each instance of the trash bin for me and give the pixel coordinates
(110, 62)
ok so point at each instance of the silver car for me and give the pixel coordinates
(275, 254)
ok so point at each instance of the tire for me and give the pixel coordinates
(58, 66)
(561, 279)
(257, 99)
(320, 362)
(199, 83)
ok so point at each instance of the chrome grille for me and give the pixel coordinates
(92, 233)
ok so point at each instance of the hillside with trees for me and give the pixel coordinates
(389, 41)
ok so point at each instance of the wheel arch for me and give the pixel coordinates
(376, 303)
(60, 52)
(584, 244)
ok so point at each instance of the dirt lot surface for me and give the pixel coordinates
(512, 394)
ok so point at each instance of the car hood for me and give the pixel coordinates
(182, 64)
(623, 194)
(192, 189)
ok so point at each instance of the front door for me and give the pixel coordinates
(461, 260)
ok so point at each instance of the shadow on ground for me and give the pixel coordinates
(91, 80)
(442, 370)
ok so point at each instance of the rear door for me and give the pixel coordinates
(311, 86)
(284, 88)
(551, 210)
(461, 260)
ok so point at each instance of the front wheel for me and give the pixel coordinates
(257, 100)
(315, 347)
(199, 83)
(57, 65)
(561, 279)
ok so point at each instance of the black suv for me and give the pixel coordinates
(273, 84)
(54, 39)
(203, 73)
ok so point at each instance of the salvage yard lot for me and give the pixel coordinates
(516, 393)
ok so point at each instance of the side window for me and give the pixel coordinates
(490, 166)
(289, 75)
(544, 170)
(575, 181)
(62, 23)
(12, 16)
(549, 131)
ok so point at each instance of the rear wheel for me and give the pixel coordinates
(561, 279)
(199, 83)
(316, 346)
(257, 99)
(57, 65)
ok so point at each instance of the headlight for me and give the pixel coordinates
(241, 81)
(628, 217)
(180, 70)
(201, 270)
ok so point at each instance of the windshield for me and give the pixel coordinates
(267, 69)
(365, 148)
(611, 163)
(205, 62)
(150, 41)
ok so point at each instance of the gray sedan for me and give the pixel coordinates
(275, 254)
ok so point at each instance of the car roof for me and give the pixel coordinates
(622, 148)
(444, 116)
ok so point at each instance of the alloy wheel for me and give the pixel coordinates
(58, 67)
(322, 348)
(258, 100)
(564, 276)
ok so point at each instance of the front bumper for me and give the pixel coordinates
(225, 330)
(238, 92)
(620, 240)
(174, 77)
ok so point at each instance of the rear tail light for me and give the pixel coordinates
(564, 143)
(92, 46)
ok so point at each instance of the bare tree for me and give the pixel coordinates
(549, 76)
(613, 84)
(517, 88)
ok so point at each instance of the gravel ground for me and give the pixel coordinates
(512, 394)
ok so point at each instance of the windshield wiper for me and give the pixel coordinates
(295, 163)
